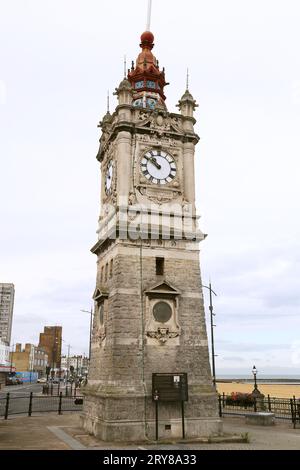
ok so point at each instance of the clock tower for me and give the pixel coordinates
(149, 312)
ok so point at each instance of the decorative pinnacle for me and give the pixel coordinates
(187, 80)
(125, 66)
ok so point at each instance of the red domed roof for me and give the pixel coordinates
(146, 71)
(147, 39)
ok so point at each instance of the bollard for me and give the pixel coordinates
(30, 404)
(60, 404)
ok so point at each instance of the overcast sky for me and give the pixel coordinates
(58, 58)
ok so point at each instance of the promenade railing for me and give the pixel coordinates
(243, 404)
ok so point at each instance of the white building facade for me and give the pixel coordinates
(7, 294)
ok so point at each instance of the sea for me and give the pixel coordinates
(287, 379)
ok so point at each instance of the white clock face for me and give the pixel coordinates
(108, 178)
(158, 167)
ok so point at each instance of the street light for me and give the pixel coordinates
(254, 372)
(256, 393)
(213, 355)
(68, 357)
(91, 326)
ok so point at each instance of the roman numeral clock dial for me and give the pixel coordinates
(158, 167)
(109, 178)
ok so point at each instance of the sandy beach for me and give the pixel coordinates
(274, 390)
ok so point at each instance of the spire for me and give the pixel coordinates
(187, 104)
(107, 116)
(125, 66)
(108, 102)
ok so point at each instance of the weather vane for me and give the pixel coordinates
(148, 26)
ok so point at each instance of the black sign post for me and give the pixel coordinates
(156, 398)
(169, 388)
(182, 417)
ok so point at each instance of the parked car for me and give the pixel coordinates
(11, 381)
(55, 380)
(42, 380)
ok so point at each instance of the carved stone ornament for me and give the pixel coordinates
(98, 334)
(162, 334)
(132, 199)
(162, 325)
(157, 140)
(161, 197)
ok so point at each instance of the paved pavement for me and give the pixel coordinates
(20, 390)
(53, 432)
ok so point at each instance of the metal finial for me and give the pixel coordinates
(148, 25)
(108, 101)
(187, 80)
(125, 66)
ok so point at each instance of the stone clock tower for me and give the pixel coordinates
(149, 312)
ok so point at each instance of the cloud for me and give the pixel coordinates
(245, 77)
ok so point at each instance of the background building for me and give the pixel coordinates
(23, 358)
(51, 341)
(30, 359)
(40, 361)
(7, 294)
(5, 365)
(80, 364)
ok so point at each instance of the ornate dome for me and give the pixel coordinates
(146, 79)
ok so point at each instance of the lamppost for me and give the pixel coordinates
(256, 393)
(91, 326)
(254, 372)
(68, 362)
(213, 355)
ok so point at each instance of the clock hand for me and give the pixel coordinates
(154, 161)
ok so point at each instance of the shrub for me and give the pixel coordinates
(240, 399)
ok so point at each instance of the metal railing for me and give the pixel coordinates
(12, 405)
(283, 408)
(55, 390)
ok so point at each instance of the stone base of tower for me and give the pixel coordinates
(119, 419)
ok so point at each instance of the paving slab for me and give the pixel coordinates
(54, 432)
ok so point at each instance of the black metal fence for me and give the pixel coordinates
(16, 405)
(283, 408)
(56, 389)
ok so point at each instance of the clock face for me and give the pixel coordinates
(162, 312)
(158, 167)
(108, 178)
